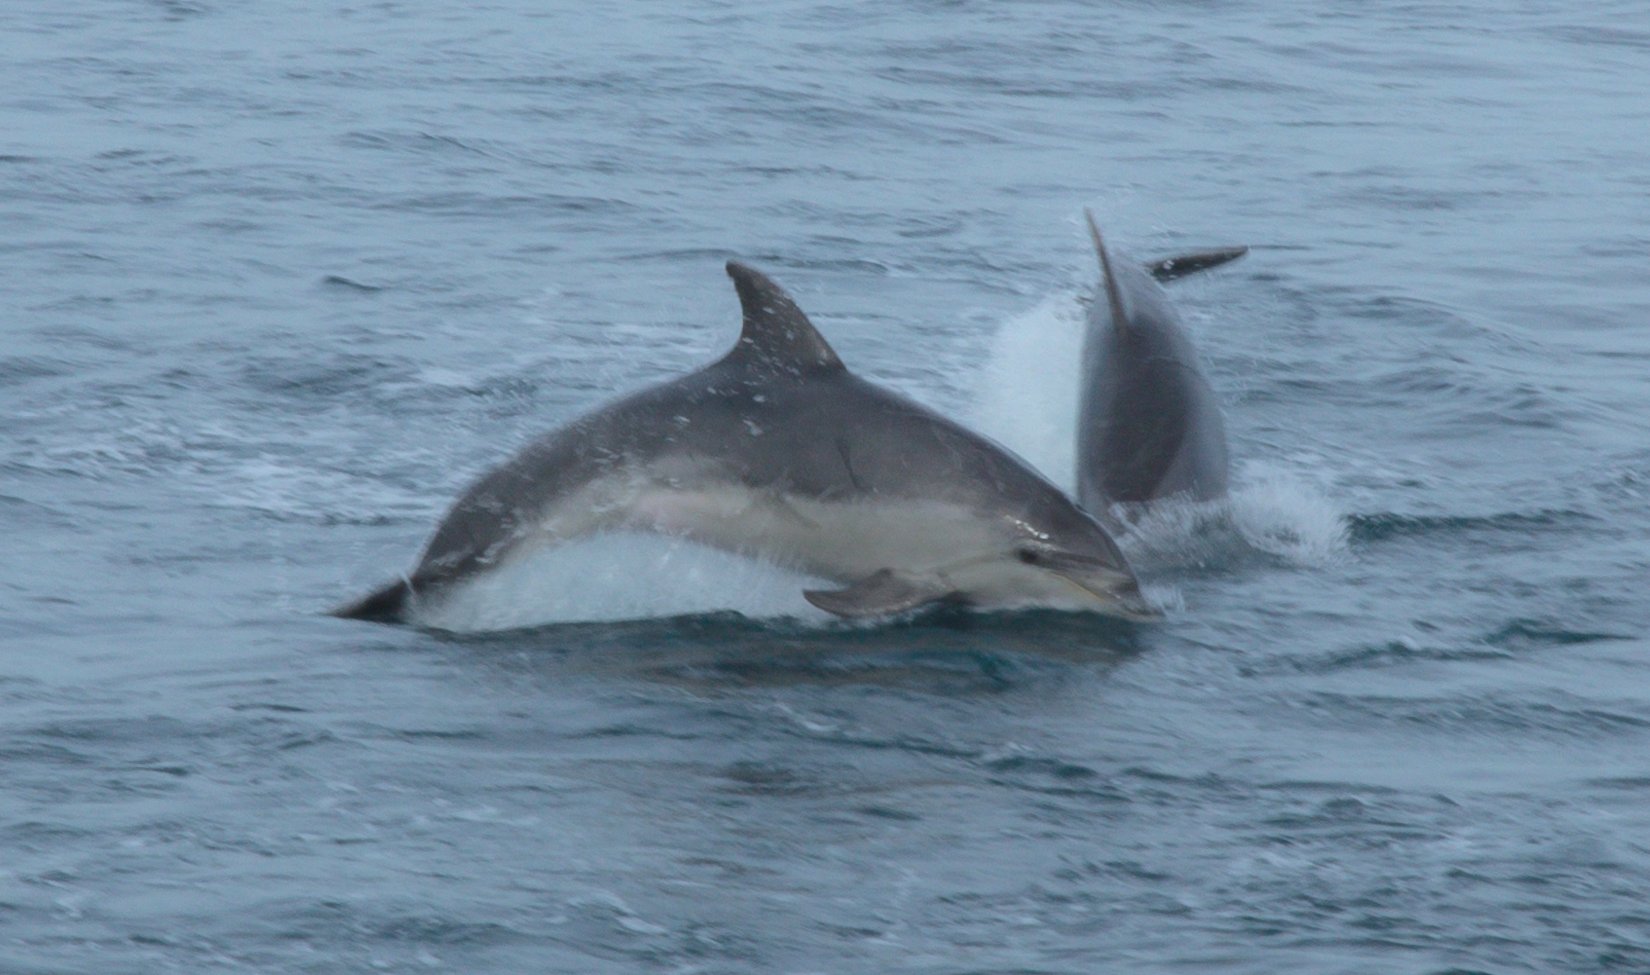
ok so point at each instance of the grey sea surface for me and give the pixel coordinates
(278, 279)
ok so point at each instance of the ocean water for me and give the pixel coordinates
(279, 279)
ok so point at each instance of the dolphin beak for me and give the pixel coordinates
(1113, 587)
(1125, 601)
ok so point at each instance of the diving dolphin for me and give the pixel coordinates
(1149, 424)
(778, 451)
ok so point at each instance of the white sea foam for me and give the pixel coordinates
(1028, 387)
(1275, 508)
(1281, 508)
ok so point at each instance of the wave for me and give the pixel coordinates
(1388, 525)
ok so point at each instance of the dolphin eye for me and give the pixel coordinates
(1029, 556)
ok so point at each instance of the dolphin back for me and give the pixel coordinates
(1150, 425)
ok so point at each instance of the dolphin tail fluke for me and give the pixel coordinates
(386, 605)
(1114, 292)
(1180, 265)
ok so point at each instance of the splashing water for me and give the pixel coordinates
(1281, 511)
(1029, 394)
(1028, 390)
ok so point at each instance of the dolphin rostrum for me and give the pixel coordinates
(1149, 424)
(778, 451)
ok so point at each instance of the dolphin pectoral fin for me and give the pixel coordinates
(1180, 265)
(879, 594)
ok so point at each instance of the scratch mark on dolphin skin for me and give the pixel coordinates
(848, 464)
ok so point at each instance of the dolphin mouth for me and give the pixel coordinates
(1127, 602)
(1115, 588)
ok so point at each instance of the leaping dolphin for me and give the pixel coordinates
(1149, 424)
(778, 451)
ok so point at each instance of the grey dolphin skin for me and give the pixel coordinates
(1149, 424)
(778, 451)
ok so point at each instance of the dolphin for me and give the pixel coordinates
(777, 451)
(1149, 424)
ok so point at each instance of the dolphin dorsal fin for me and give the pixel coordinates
(1114, 293)
(776, 333)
